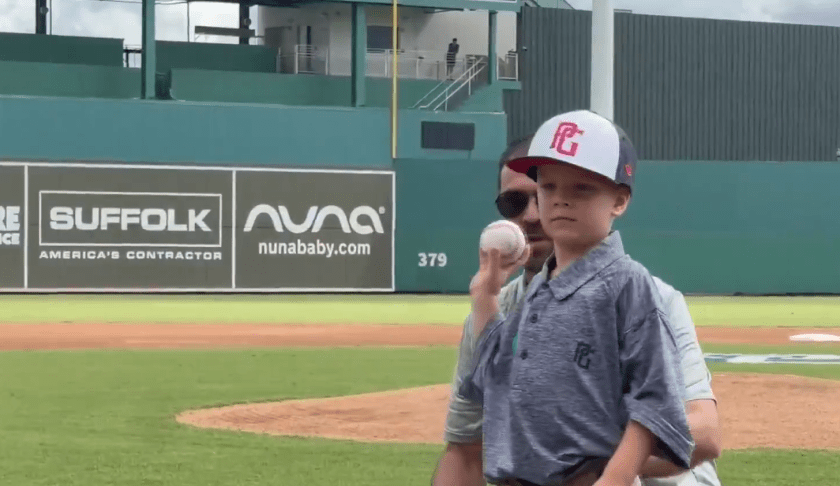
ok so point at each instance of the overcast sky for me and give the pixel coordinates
(121, 18)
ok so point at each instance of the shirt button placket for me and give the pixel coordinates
(533, 318)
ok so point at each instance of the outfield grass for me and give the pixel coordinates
(101, 418)
(377, 309)
(107, 417)
(264, 309)
(765, 311)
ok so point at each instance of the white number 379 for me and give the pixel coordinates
(432, 259)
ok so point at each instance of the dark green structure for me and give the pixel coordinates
(730, 227)
(690, 89)
(738, 124)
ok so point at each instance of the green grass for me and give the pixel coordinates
(765, 311)
(106, 417)
(97, 418)
(769, 467)
(778, 468)
(375, 309)
(265, 309)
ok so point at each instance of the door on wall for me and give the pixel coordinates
(321, 47)
(283, 39)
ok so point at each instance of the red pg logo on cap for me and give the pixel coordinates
(565, 132)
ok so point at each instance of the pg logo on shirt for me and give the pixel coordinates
(582, 353)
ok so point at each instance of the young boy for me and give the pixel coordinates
(580, 384)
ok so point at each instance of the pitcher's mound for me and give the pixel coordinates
(756, 410)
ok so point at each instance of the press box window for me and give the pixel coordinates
(381, 37)
(451, 136)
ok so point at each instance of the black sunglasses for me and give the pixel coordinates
(512, 203)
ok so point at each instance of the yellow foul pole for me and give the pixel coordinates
(394, 99)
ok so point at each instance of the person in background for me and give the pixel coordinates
(451, 54)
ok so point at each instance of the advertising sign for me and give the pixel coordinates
(88, 227)
(315, 230)
(12, 227)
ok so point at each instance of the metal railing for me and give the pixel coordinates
(508, 67)
(464, 80)
(132, 56)
(412, 64)
(379, 63)
(427, 95)
(304, 59)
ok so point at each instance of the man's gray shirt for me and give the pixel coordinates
(576, 359)
(463, 420)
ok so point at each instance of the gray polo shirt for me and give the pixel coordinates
(463, 419)
(576, 359)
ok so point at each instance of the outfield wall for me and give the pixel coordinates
(705, 227)
(726, 227)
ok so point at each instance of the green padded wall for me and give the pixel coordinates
(442, 206)
(65, 129)
(704, 227)
(218, 57)
(288, 89)
(71, 80)
(61, 49)
(727, 227)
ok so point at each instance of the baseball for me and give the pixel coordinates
(505, 236)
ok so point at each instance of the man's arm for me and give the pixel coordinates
(635, 447)
(460, 465)
(701, 404)
(703, 423)
(654, 386)
(461, 461)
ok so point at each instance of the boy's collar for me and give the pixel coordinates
(581, 270)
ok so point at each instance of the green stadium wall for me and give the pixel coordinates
(70, 80)
(61, 49)
(215, 57)
(729, 227)
(705, 227)
(69, 129)
(442, 206)
(288, 89)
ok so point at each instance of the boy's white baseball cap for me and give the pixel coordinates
(584, 139)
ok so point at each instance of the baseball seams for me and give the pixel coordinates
(505, 236)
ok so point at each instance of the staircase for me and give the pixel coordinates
(449, 95)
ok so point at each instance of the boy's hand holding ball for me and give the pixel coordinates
(502, 251)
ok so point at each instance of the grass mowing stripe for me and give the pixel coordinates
(765, 311)
(374, 309)
(235, 309)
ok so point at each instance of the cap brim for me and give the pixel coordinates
(524, 164)
(528, 163)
